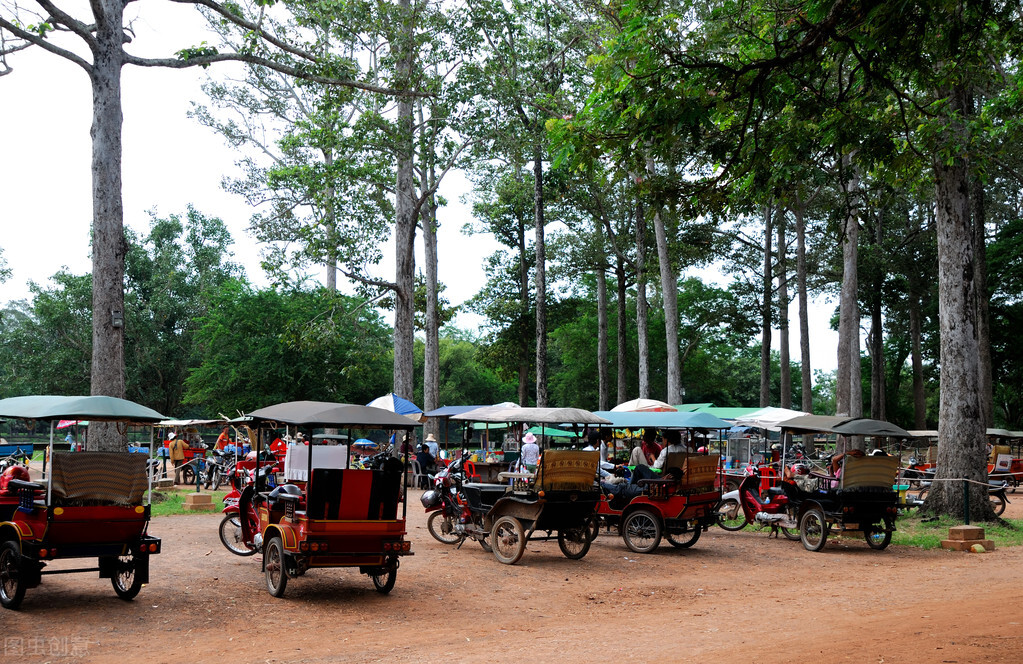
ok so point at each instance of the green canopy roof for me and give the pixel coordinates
(94, 408)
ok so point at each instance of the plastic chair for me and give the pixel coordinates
(419, 478)
(470, 472)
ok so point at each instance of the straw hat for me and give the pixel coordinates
(430, 438)
(529, 438)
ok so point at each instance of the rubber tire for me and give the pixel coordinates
(435, 524)
(684, 540)
(642, 523)
(384, 583)
(593, 527)
(125, 581)
(575, 542)
(997, 503)
(791, 534)
(508, 540)
(811, 521)
(484, 544)
(187, 474)
(731, 525)
(273, 565)
(878, 544)
(922, 494)
(218, 479)
(730, 486)
(12, 589)
(230, 532)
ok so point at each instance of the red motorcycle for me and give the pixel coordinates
(451, 519)
(236, 535)
(748, 505)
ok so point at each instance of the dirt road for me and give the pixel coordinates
(734, 597)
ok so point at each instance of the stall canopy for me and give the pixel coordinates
(100, 408)
(655, 420)
(324, 414)
(643, 406)
(768, 418)
(553, 416)
(845, 425)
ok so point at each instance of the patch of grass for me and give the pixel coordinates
(167, 503)
(914, 531)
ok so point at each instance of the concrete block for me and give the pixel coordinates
(199, 502)
(964, 545)
(966, 533)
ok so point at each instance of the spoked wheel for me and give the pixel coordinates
(442, 527)
(273, 565)
(997, 503)
(813, 529)
(484, 543)
(686, 539)
(877, 538)
(575, 542)
(126, 581)
(730, 515)
(188, 474)
(12, 586)
(790, 533)
(508, 539)
(384, 579)
(642, 531)
(231, 536)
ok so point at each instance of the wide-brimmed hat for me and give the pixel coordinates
(430, 438)
(172, 436)
(529, 438)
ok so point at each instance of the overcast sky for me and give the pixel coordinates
(169, 162)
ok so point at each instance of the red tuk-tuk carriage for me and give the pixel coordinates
(326, 513)
(93, 504)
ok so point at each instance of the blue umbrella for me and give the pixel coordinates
(396, 404)
(365, 442)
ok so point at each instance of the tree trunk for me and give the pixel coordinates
(765, 315)
(431, 350)
(979, 218)
(541, 277)
(525, 341)
(805, 376)
(405, 224)
(919, 398)
(669, 294)
(642, 312)
(962, 443)
(849, 398)
(785, 388)
(331, 194)
(602, 324)
(877, 378)
(108, 244)
(622, 360)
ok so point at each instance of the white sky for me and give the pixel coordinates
(170, 161)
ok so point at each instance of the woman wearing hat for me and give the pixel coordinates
(530, 452)
(431, 442)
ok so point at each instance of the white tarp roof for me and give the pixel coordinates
(768, 418)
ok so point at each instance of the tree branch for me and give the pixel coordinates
(43, 43)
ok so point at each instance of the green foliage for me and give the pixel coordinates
(913, 530)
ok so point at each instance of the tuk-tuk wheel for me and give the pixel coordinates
(126, 581)
(813, 529)
(685, 540)
(384, 581)
(575, 542)
(642, 531)
(273, 566)
(508, 540)
(879, 539)
(12, 587)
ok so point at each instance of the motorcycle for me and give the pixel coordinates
(996, 494)
(746, 505)
(216, 470)
(240, 524)
(451, 520)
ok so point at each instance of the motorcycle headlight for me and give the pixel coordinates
(430, 499)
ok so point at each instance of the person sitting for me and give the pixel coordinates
(647, 451)
(427, 462)
(836, 466)
(797, 483)
(673, 445)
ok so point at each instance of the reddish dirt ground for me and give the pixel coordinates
(734, 597)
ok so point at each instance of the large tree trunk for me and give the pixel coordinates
(785, 389)
(979, 218)
(404, 225)
(431, 350)
(962, 444)
(849, 397)
(525, 341)
(669, 295)
(108, 244)
(765, 315)
(919, 398)
(642, 311)
(805, 376)
(622, 357)
(602, 377)
(877, 378)
(541, 276)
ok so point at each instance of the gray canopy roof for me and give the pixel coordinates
(92, 408)
(532, 415)
(323, 414)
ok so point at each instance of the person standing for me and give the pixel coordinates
(177, 454)
(530, 452)
(431, 442)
